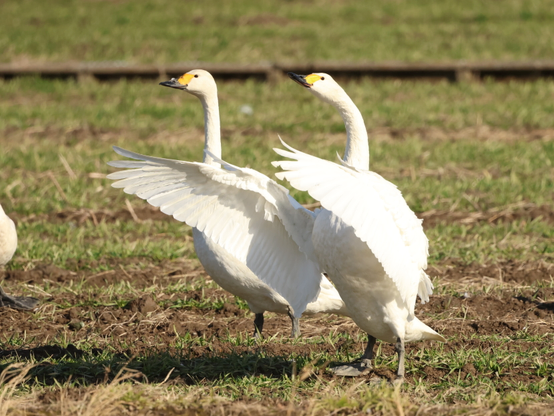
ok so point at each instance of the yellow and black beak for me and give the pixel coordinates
(181, 84)
(305, 80)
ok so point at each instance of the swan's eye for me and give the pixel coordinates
(196, 76)
(322, 78)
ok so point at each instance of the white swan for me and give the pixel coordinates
(250, 235)
(366, 238)
(8, 245)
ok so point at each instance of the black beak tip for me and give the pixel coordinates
(300, 79)
(173, 83)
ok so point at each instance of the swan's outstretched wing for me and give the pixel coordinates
(242, 210)
(375, 209)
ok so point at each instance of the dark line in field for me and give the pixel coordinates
(457, 71)
(519, 211)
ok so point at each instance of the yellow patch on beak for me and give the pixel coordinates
(310, 79)
(185, 79)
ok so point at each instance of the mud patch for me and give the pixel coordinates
(81, 216)
(71, 136)
(521, 212)
(67, 136)
(143, 305)
(507, 271)
(163, 274)
(145, 325)
(265, 19)
(202, 334)
(481, 132)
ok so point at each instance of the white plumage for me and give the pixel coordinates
(8, 245)
(366, 238)
(250, 235)
(8, 238)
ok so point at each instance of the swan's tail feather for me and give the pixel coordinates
(417, 330)
(432, 335)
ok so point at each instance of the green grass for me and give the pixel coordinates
(153, 240)
(285, 108)
(466, 148)
(485, 243)
(462, 169)
(161, 31)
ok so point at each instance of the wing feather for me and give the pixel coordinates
(245, 212)
(375, 209)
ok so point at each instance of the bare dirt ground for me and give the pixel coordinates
(482, 132)
(520, 211)
(507, 305)
(147, 325)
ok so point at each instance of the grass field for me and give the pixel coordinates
(123, 294)
(129, 323)
(165, 31)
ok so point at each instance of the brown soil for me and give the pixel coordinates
(482, 132)
(506, 271)
(163, 274)
(79, 134)
(143, 213)
(266, 19)
(519, 212)
(449, 272)
(147, 324)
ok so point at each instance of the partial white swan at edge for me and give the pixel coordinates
(366, 238)
(8, 245)
(250, 235)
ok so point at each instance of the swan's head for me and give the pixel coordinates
(196, 82)
(321, 85)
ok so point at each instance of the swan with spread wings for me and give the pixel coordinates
(366, 237)
(250, 235)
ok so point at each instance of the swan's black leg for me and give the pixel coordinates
(368, 355)
(258, 325)
(399, 346)
(17, 302)
(360, 366)
(295, 333)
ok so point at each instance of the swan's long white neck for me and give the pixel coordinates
(357, 148)
(212, 128)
